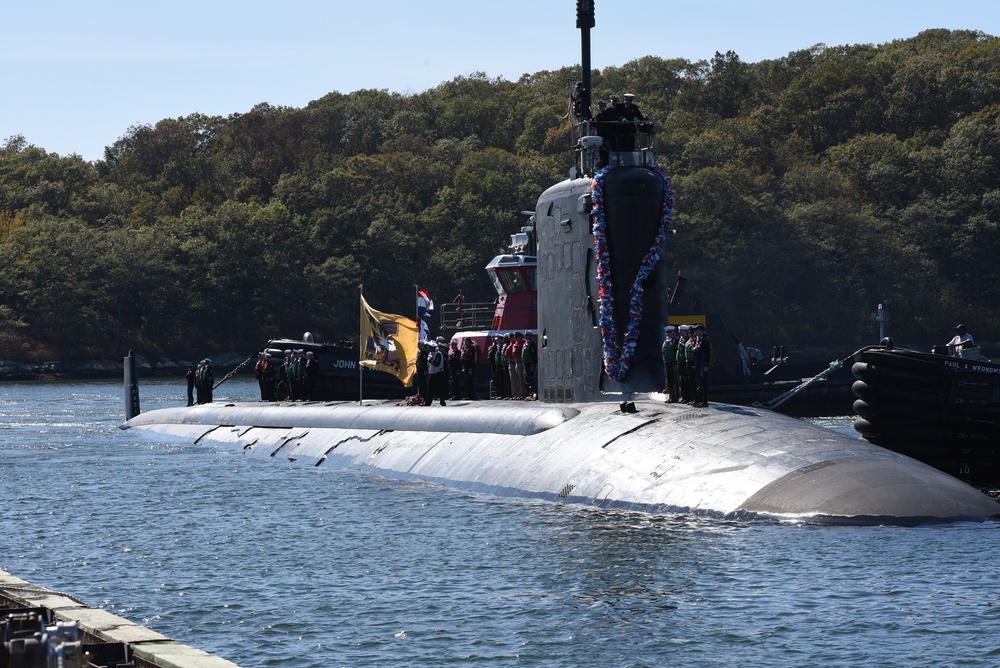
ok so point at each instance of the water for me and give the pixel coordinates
(267, 564)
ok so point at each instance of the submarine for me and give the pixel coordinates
(601, 433)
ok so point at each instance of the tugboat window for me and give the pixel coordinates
(496, 282)
(512, 281)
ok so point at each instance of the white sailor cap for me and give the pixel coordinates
(683, 328)
(669, 328)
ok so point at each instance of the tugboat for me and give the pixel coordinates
(935, 407)
(600, 434)
(514, 275)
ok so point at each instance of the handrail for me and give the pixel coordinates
(470, 315)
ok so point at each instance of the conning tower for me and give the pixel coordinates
(601, 313)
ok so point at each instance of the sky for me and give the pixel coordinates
(75, 76)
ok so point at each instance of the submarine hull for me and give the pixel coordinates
(723, 461)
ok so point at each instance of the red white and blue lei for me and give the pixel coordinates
(617, 360)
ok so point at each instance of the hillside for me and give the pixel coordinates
(809, 189)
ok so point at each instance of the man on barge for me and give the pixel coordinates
(962, 339)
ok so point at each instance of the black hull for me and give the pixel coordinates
(942, 410)
(336, 385)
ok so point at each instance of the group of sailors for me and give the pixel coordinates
(514, 363)
(687, 353)
(620, 108)
(292, 379)
(446, 371)
(200, 382)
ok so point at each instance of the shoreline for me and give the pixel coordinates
(105, 369)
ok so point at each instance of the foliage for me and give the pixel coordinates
(810, 188)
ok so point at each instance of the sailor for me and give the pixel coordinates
(685, 392)
(503, 364)
(692, 350)
(491, 355)
(702, 359)
(423, 350)
(515, 366)
(312, 373)
(270, 384)
(198, 387)
(455, 369)
(669, 352)
(205, 381)
(294, 373)
(286, 367)
(443, 347)
(209, 380)
(601, 106)
(258, 373)
(518, 361)
(300, 375)
(470, 355)
(437, 378)
(962, 339)
(612, 113)
(283, 390)
(504, 361)
(629, 110)
(529, 358)
(191, 376)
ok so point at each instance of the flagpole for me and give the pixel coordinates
(416, 307)
(361, 351)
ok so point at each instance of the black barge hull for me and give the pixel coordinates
(942, 410)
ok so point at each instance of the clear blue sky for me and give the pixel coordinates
(76, 75)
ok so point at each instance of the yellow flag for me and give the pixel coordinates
(388, 343)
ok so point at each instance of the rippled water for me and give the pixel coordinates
(269, 564)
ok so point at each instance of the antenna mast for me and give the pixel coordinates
(585, 21)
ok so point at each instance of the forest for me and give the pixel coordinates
(809, 189)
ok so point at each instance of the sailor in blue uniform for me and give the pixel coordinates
(191, 376)
(612, 112)
(702, 357)
(669, 352)
(629, 111)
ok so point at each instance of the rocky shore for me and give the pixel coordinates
(11, 370)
